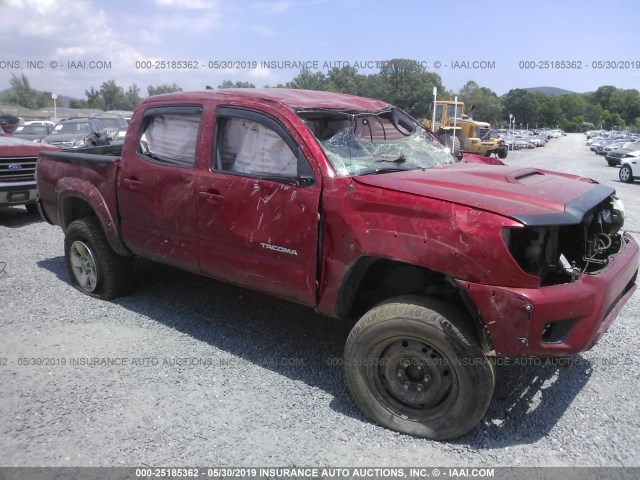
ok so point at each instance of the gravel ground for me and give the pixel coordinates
(265, 392)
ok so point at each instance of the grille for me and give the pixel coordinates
(17, 168)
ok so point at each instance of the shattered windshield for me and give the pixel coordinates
(361, 143)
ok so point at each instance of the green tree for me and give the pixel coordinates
(626, 103)
(75, 103)
(346, 80)
(230, 84)
(603, 96)
(113, 96)
(549, 112)
(94, 99)
(22, 94)
(488, 107)
(572, 104)
(132, 97)
(523, 105)
(309, 81)
(165, 88)
(406, 84)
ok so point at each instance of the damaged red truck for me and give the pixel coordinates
(349, 206)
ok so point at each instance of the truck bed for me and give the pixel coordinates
(78, 175)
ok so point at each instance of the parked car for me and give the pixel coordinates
(77, 133)
(40, 122)
(112, 123)
(616, 144)
(33, 132)
(630, 169)
(598, 142)
(615, 157)
(119, 137)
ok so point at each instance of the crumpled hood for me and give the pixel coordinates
(531, 196)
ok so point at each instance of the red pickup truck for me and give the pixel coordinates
(349, 206)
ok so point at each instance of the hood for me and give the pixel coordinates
(531, 196)
(14, 147)
(65, 137)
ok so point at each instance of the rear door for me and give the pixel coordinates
(157, 187)
(258, 207)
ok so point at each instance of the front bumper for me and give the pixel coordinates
(519, 320)
(613, 160)
(18, 193)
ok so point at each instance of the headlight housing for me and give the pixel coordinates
(560, 254)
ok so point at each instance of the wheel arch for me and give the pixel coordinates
(373, 280)
(78, 199)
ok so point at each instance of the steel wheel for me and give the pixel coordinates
(414, 365)
(417, 379)
(83, 266)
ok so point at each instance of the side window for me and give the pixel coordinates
(170, 137)
(253, 148)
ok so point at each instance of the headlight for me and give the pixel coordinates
(617, 204)
(80, 143)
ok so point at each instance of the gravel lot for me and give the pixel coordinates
(265, 391)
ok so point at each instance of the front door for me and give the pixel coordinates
(258, 208)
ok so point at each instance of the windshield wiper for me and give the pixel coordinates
(401, 159)
(387, 170)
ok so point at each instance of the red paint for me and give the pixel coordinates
(244, 229)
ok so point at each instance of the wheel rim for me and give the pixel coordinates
(84, 266)
(625, 174)
(414, 380)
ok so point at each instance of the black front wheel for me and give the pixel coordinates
(413, 365)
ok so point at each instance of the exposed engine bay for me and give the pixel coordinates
(561, 253)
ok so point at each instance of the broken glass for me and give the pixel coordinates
(360, 143)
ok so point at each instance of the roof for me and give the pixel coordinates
(292, 98)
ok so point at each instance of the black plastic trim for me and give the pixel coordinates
(574, 211)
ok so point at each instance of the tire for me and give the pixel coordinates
(95, 269)
(502, 153)
(32, 209)
(413, 365)
(625, 174)
(452, 142)
(611, 164)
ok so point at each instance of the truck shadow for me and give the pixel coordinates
(16, 217)
(530, 397)
(294, 341)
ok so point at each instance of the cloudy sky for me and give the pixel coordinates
(68, 46)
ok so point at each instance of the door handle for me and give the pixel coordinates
(132, 184)
(211, 197)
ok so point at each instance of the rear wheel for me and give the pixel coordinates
(625, 174)
(413, 365)
(94, 268)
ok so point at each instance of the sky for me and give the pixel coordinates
(69, 46)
